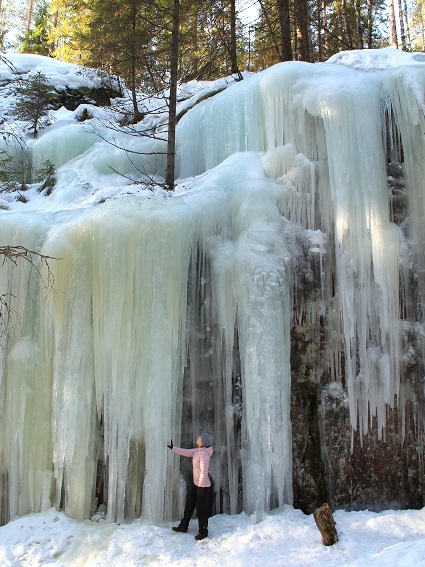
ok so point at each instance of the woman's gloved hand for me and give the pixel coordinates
(171, 445)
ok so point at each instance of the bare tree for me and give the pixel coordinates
(172, 115)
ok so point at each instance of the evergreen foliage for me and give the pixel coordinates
(418, 25)
(132, 38)
(32, 105)
(36, 39)
(319, 30)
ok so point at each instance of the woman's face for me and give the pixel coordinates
(199, 442)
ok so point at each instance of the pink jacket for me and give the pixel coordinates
(200, 461)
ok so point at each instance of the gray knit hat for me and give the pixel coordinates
(207, 439)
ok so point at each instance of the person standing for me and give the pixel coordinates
(199, 493)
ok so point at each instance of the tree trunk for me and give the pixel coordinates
(133, 67)
(359, 25)
(325, 29)
(301, 14)
(30, 10)
(174, 62)
(233, 53)
(401, 22)
(340, 28)
(134, 90)
(369, 23)
(409, 43)
(53, 44)
(319, 30)
(326, 524)
(394, 42)
(348, 33)
(285, 29)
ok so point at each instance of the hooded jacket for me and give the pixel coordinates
(200, 462)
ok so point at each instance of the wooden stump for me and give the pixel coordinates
(326, 524)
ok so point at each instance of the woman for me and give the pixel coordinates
(199, 493)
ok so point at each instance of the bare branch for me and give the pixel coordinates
(13, 254)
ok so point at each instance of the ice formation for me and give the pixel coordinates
(172, 314)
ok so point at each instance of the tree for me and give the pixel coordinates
(7, 23)
(36, 38)
(224, 27)
(303, 30)
(285, 29)
(32, 105)
(209, 39)
(174, 62)
(418, 25)
(394, 42)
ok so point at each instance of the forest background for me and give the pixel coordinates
(131, 38)
(155, 44)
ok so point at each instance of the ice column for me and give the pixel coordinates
(250, 295)
(25, 400)
(406, 88)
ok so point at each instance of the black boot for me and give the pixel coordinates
(203, 533)
(180, 528)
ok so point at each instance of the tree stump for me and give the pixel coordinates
(326, 524)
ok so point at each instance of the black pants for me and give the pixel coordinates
(199, 498)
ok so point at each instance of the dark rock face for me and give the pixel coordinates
(72, 98)
(332, 462)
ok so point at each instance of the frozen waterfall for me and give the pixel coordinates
(172, 314)
(323, 131)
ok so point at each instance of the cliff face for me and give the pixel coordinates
(274, 299)
(332, 462)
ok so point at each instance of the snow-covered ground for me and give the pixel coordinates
(290, 538)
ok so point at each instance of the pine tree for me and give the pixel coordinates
(32, 105)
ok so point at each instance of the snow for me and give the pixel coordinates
(288, 538)
(245, 159)
(58, 73)
(373, 59)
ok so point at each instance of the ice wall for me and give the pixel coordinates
(106, 351)
(172, 314)
(323, 131)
